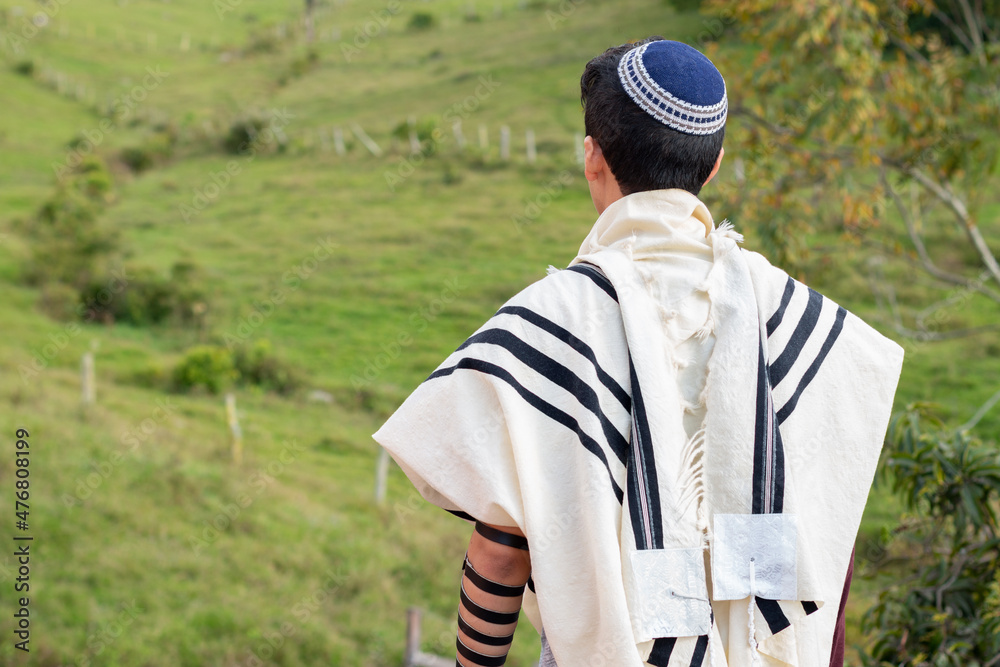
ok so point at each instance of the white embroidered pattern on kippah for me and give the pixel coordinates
(662, 105)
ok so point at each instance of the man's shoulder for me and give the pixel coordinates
(576, 289)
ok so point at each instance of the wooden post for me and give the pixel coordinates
(414, 138)
(504, 143)
(529, 140)
(412, 636)
(366, 140)
(338, 141)
(87, 379)
(413, 656)
(456, 129)
(578, 144)
(484, 139)
(381, 473)
(234, 428)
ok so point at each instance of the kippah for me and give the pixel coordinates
(677, 85)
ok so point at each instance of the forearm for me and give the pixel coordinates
(495, 573)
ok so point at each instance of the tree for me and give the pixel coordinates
(948, 611)
(878, 121)
(858, 101)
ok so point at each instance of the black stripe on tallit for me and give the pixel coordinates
(776, 318)
(777, 473)
(662, 648)
(462, 515)
(547, 409)
(800, 336)
(647, 464)
(771, 611)
(597, 276)
(700, 649)
(810, 607)
(582, 348)
(760, 435)
(552, 370)
(786, 410)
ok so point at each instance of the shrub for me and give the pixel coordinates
(428, 134)
(25, 67)
(158, 147)
(216, 368)
(258, 366)
(141, 297)
(948, 611)
(206, 366)
(421, 21)
(68, 239)
(249, 133)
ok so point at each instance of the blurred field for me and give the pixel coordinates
(285, 559)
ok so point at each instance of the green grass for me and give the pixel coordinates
(425, 262)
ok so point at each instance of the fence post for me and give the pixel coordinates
(504, 143)
(87, 379)
(412, 636)
(456, 129)
(484, 139)
(414, 138)
(234, 429)
(578, 144)
(366, 140)
(381, 473)
(529, 140)
(338, 141)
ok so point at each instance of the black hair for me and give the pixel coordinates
(642, 153)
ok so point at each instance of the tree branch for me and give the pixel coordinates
(981, 412)
(974, 31)
(883, 292)
(958, 207)
(909, 50)
(962, 37)
(922, 253)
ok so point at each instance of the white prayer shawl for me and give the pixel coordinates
(678, 428)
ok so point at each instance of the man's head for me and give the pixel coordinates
(665, 135)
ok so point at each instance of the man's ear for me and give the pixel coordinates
(593, 159)
(718, 163)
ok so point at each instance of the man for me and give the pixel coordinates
(667, 447)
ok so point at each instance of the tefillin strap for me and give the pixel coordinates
(474, 619)
(500, 537)
(488, 585)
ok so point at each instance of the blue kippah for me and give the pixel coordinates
(677, 85)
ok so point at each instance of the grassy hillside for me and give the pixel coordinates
(151, 547)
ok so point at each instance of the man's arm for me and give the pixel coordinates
(496, 569)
